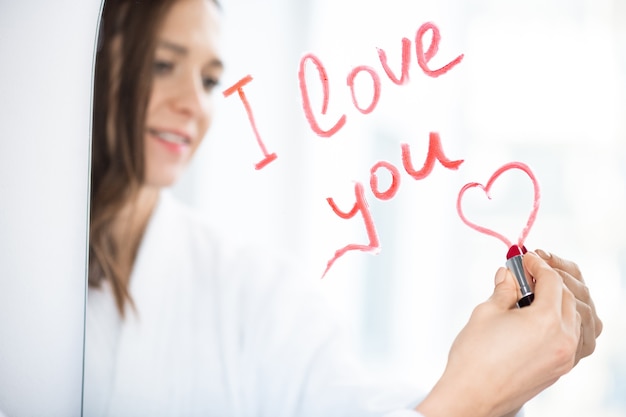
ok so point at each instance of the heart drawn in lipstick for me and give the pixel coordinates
(531, 218)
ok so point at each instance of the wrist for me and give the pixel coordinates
(455, 398)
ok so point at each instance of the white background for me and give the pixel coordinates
(542, 82)
(46, 51)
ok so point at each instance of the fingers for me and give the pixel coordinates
(590, 323)
(552, 295)
(586, 307)
(555, 312)
(587, 343)
(577, 287)
(570, 314)
(559, 263)
(572, 277)
(548, 285)
(591, 326)
(505, 292)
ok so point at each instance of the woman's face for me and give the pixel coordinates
(186, 68)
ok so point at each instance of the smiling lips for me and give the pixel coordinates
(173, 141)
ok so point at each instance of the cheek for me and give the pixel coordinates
(154, 97)
(204, 123)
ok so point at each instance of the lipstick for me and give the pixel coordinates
(514, 264)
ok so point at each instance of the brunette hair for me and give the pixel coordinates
(122, 83)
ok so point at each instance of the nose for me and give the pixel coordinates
(190, 98)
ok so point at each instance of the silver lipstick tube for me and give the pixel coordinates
(516, 267)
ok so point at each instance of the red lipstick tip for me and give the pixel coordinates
(515, 251)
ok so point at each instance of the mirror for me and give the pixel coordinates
(470, 87)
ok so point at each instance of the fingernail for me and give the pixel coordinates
(500, 274)
(543, 254)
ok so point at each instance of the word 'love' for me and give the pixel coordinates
(423, 58)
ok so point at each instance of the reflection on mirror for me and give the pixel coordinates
(188, 317)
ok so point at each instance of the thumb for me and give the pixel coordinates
(505, 291)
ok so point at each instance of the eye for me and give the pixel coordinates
(209, 83)
(160, 67)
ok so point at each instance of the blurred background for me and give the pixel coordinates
(541, 82)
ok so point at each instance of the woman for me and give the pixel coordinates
(180, 323)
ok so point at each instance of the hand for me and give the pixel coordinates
(504, 356)
(573, 279)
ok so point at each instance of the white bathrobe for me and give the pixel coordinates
(219, 332)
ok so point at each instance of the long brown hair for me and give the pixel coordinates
(122, 83)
